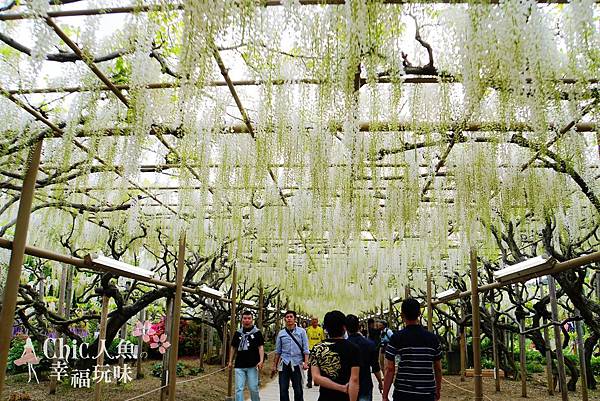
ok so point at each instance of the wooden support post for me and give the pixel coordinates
(261, 307)
(202, 343)
(549, 376)
(139, 374)
(13, 277)
(478, 384)
(522, 350)
(232, 328)
(277, 318)
(62, 292)
(224, 345)
(210, 346)
(429, 304)
(176, 318)
(523, 359)
(581, 353)
(495, 347)
(463, 351)
(511, 340)
(562, 378)
(101, 339)
(122, 337)
(164, 376)
(407, 292)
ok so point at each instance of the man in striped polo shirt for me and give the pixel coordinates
(419, 374)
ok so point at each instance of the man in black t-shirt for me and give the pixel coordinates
(335, 362)
(369, 360)
(247, 345)
(419, 375)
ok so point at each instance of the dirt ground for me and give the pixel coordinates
(211, 385)
(509, 390)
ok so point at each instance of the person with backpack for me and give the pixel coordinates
(291, 357)
(384, 338)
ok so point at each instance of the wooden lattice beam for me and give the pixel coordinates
(12, 16)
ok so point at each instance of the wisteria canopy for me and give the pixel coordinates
(337, 149)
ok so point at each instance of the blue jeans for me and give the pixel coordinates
(243, 375)
(295, 374)
(366, 397)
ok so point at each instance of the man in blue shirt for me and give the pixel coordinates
(291, 355)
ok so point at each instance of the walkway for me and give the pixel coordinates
(270, 392)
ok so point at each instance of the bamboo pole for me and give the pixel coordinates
(522, 359)
(176, 318)
(122, 337)
(61, 311)
(210, 347)
(429, 304)
(13, 278)
(232, 328)
(549, 376)
(101, 339)
(202, 344)
(522, 355)
(255, 82)
(562, 378)
(261, 307)
(224, 345)
(164, 376)
(555, 269)
(495, 348)
(581, 353)
(139, 374)
(277, 317)
(178, 6)
(463, 351)
(477, 378)
(86, 59)
(87, 263)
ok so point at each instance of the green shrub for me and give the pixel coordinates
(596, 365)
(195, 370)
(487, 363)
(269, 346)
(534, 367)
(157, 369)
(14, 353)
(533, 355)
(572, 358)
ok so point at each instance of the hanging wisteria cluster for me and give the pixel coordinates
(333, 174)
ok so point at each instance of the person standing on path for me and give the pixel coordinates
(385, 334)
(315, 335)
(369, 361)
(335, 363)
(291, 355)
(419, 374)
(247, 345)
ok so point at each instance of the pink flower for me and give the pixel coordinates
(160, 342)
(144, 330)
